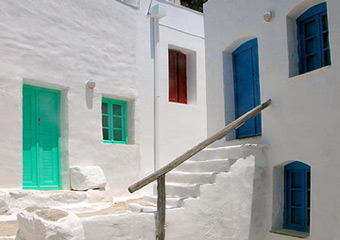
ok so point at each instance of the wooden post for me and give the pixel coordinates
(161, 203)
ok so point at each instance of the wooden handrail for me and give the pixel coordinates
(220, 134)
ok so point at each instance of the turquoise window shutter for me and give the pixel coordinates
(114, 121)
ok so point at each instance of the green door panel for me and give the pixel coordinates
(40, 138)
(29, 140)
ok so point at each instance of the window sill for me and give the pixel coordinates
(291, 233)
(111, 142)
(241, 140)
(307, 74)
(187, 105)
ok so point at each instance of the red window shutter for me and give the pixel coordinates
(173, 76)
(182, 78)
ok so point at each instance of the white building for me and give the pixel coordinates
(298, 68)
(53, 46)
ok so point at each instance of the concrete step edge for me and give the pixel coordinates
(7, 237)
(191, 177)
(215, 160)
(171, 201)
(182, 185)
(135, 207)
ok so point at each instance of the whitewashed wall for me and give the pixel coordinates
(178, 126)
(302, 124)
(181, 29)
(59, 45)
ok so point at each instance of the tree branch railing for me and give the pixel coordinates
(159, 175)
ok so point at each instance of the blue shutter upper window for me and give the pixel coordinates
(313, 38)
(297, 196)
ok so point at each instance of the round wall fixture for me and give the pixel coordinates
(268, 16)
(90, 84)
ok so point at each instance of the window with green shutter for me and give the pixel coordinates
(114, 121)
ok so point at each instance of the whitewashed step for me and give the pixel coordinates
(8, 238)
(216, 165)
(170, 201)
(182, 190)
(236, 151)
(135, 207)
(191, 177)
(219, 153)
(21, 199)
(148, 208)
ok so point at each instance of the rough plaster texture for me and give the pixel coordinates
(19, 200)
(49, 224)
(302, 124)
(223, 211)
(87, 177)
(132, 226)
(60, 46)
(3, 203)
(231, 207)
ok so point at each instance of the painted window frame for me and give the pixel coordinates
(304, 201)
(178, 79)
(111, 128)
(317, 14)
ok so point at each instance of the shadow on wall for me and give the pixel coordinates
(89, 97)
(257, 229)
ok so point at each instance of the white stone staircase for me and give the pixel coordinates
(186, 180)
(195, 192)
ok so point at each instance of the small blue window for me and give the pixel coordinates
(297, 196)
(313, 38)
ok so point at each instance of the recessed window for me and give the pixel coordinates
(177, 77)
(114, 121)
(313, 39)
(297, 196)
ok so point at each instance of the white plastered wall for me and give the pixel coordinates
(60, 46)
(302, 123)
(180, 126)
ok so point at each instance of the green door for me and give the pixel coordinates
(40, 138)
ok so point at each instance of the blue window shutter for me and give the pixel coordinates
(326, 56)
(297, 196)
(247, 87)
(256, 82)
(313, 39)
